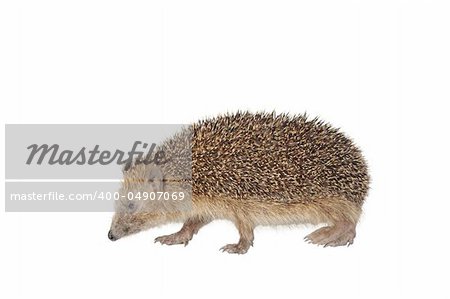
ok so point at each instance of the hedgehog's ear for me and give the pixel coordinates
(126, 167)
(155, 178)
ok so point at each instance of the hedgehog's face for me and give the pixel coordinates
(134, 211)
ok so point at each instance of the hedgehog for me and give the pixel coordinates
(253, 169)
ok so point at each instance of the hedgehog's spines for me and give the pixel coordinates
(275, 157)
(252, 148)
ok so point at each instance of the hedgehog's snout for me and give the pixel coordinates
(111, 236)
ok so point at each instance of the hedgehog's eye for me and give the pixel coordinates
(131, 206)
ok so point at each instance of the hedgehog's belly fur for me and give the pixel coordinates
(258, 212)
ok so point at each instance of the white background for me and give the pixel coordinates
(380, 70)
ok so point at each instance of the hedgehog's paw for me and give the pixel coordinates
(174, 239)
(239, 248)
(340, 234)
(317, 236)
(345, 239)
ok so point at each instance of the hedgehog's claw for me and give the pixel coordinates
(239, 248)
(173, 239)
(341, 234)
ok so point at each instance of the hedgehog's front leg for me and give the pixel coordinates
(189, 229)
(245, 229)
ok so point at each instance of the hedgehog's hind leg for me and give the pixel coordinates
(189, 229)
(340, 234)
(341, 215)
(246, 237)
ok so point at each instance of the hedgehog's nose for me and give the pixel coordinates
(111, 236)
